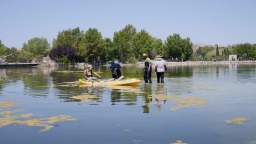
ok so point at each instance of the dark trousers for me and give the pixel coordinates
(160, 77)
(116, 74)
(147, 76)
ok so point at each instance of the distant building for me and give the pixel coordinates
(232, 58)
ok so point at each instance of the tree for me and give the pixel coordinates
(245, 51)
(68, 38)
(3, 49)
(12, 55)
(157, 47)
(202, 52)
(177, 47)
(38, 47)
(143, 44)
(64, 55)
(110, 52)
(25, 56)
(91, 46)
(217, 50)
(123, 42)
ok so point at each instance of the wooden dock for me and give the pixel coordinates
(13, 65)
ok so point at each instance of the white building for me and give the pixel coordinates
(232, 58)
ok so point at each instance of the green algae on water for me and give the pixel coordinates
(6, 104)
(237, 121)
(11, 117)
(187, 102)
(178, 142)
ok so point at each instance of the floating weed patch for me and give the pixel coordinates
(46, 123)
(187, 102)
(59, 118)
(26, 116)
(6, 114)
(6, 121)
(5, 104)
(13, 118)
(85, 98)
(237, 121)
(47, 128)
(178, 142)
(27, 120)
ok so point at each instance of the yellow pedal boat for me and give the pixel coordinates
(124, 82)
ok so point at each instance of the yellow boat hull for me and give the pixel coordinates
(125, 82)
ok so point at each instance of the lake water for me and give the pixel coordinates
(196, 105)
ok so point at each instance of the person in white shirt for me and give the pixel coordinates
(160, 68)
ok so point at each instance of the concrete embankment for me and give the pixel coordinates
(203, 63)
(178, 64)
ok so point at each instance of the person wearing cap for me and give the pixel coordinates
(147, 70)
(160, 69)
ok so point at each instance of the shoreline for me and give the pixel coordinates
(198, 63)
(172, 64)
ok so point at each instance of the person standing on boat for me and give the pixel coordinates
(160, 69)
(147, 71)
(115, 69)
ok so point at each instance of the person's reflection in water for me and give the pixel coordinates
(217, 72)
(161, 92)
(147, 98)
(115, 96)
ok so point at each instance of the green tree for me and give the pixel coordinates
(91, 46)
(123, 42)
(143, 44)
(68, 38)
(3, 49)
(217, 50)
(110, 52)
(177, 47)
(245, 51)
(25, 56)
(202, 52)
(12, 55)
(157, 47)
(37, 47)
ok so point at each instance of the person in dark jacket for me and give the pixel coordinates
(115, 69)
(147, 71)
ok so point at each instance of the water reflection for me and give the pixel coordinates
(120, 96)
(180, 72)
(207, 99)
(147, 98)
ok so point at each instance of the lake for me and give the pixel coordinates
(196, 105)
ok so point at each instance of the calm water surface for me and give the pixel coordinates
(149, 114)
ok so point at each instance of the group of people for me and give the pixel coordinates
(115, 70)
(115, 67)
(160, 69)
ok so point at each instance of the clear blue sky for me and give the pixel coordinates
(204, 21)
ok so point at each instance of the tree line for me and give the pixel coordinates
(245, 51)
(127, 45)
